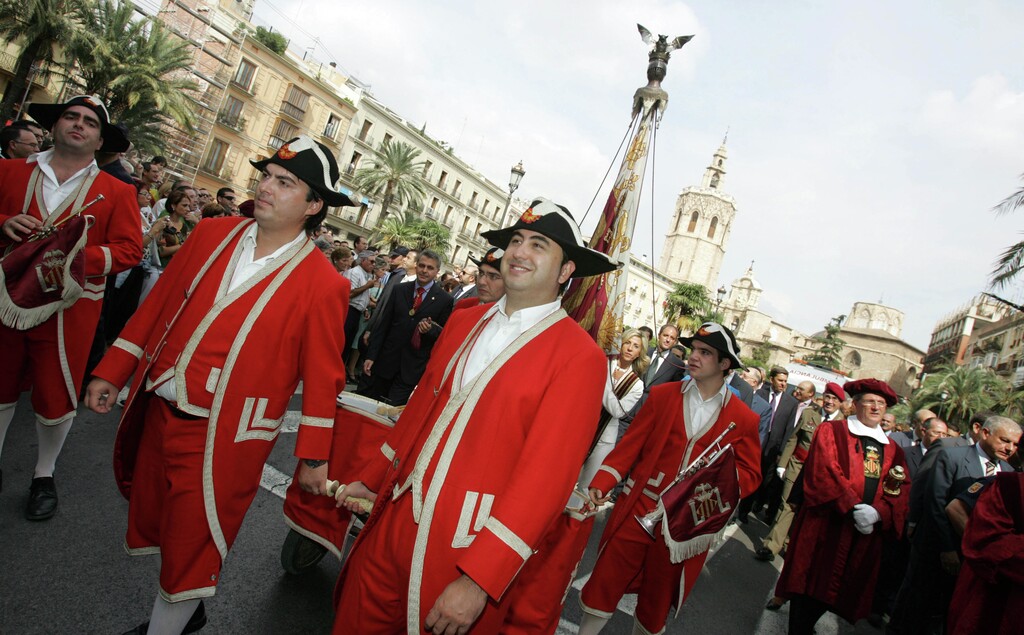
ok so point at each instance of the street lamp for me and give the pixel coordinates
(513, 184)
(718, 305)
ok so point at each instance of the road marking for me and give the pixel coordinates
(274, 480)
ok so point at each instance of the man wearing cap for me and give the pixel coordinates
(50, 356)
(489, 285)
(855, 495)
(201, 416)
(487, 451)
(676, 424)
(792, 462)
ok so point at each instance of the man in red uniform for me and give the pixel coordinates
(855, 489)
(487, 451)
(49, 187)
(676, 424)
(241, 296)
(489, 285)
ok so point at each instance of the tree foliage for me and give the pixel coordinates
(272, 40)
(43, 28)
(1009, 264)
(139, 68)
(686, 305)
(411, 230)
(956, 393)
(830, 345)
(395, 175)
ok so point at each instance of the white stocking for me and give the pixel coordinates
(51, 440)
(592, 624)
(170, 618)
(6, 416)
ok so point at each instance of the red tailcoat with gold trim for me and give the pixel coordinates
(656, 446)
(520, 455)
(114, 244)
(827, 558)
(237, 359)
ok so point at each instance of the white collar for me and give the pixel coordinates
(691, 385)
(44, 159)
(249, 243)
(529, 316)
(857, 428)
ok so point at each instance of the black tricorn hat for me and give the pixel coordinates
(114, 138)
(492, 258)
(313, 164)
(555, 222)
(719, 338)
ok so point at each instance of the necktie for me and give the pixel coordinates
(990, 468)
(417, 301)
(653, 370)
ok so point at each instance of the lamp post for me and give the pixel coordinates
(513, 184)
(718, 304)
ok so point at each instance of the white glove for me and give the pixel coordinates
(865, 517)
(781, 471)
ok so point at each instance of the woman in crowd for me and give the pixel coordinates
(179, 224)
(214, 210)
(622, 390)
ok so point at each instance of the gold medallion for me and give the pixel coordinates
(412, 312)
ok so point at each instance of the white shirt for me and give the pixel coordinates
(857, 428)
(501, 331)
(702, 412)
(245, 268)
(358, 277)
(55, 192)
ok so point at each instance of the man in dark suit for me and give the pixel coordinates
(467, 280)
(784, 411)
(935, 551)
(410, 324)
(931, 431)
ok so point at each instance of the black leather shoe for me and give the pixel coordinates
(42, 499)
(775, 604)
(299, 553)
(195, 623)
(764, 554)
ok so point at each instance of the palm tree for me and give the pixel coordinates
(396, 230)
(396, 174)
(139, 68)
(409, 230)
(687, 305)
(1011, 260)
(955, 393)
(45, 27)
(433, 235)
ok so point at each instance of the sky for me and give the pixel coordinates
(867, 141)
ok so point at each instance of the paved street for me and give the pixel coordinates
(71, 574)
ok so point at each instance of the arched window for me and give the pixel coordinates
(853, 360)
(714, 226)
(693, 222)
(714, 181)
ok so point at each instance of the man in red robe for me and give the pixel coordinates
(240, 298)
(676, 424)
(487, 451)
(990, 589)
(50, 357)
(855, 492)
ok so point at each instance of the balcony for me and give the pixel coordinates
(234, 122)
(276, 142)
(293, 111)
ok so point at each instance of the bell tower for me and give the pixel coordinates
(699, 232)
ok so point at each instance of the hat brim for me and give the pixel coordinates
(331, 197)
(734, 362)
(46, 115)
(588, 262)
